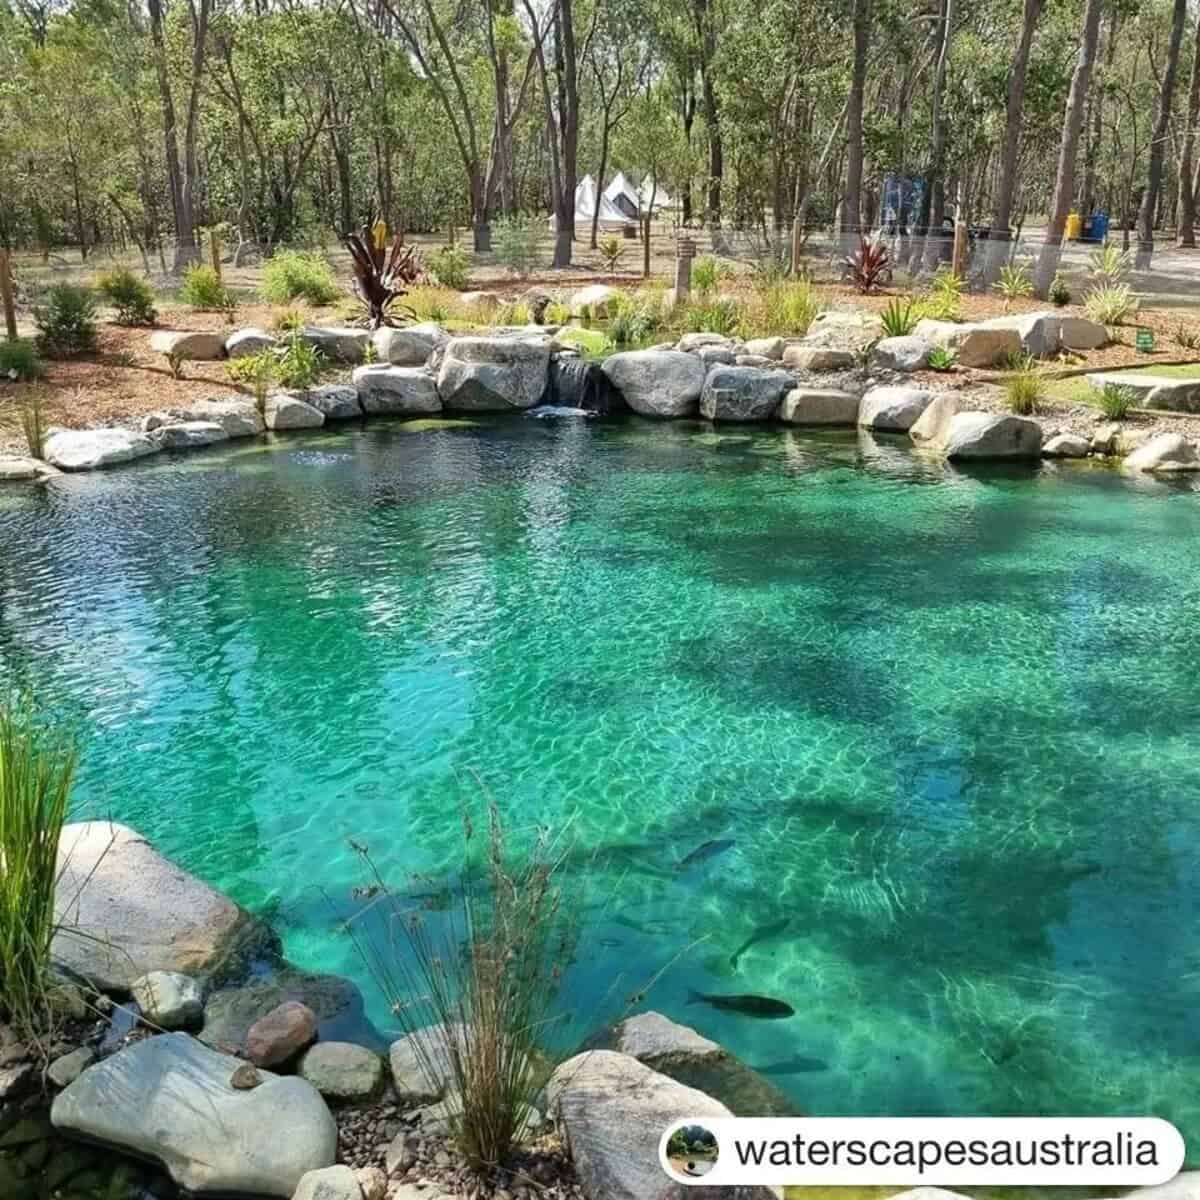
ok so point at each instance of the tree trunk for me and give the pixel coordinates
(600, 175)
(935, 187)
(1187, 182)
(568, 132)
(1158, 143)
(187, 249)
(1002, 213)
(852, 197)
(170, 134)
(707, 38)
(1064, 182)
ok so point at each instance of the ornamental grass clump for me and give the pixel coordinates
(1023, 392)
(37, 768)
(787, 308)
(299, 275)
(481, 982)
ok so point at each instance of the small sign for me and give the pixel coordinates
(1145, 340)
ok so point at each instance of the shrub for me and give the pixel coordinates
(450, 266)
(19, 360)
(1110, 265)
(1014, 283)
(431, 303)
(37, 768)
(706, 273)
(480, 984)
(942, 358)
(298, 364)
(1022, 393)
(722, 316)
(1060, 293)
(868, 264)
(788, 307)
(257, 370)
(298, 275)
(1115, 401)
(1185, 338)
(289, 319)
(592, 343)
(66, 321)
(516, 241)
(557, 313)
(635, 320)
(202, 288)
(900, 317)
(1111, 303)
(515, 313)
(611, 248)
(132, 297)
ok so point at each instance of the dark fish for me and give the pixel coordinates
(761, 934)
(707, 850)
(751, 1006)
(798, 1065)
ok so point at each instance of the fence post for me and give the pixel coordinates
(959, 261)
(6, 296)
(685, 251)
(214, 250)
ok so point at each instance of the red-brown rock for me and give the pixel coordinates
(281, 1034)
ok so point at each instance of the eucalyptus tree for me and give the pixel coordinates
(1187, 183)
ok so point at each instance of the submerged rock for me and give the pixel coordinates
(169, 1098)
(124, 910)
(657, 383)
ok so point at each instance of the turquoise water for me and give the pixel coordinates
(947, 720)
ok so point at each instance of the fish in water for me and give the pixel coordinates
(761, 934)
(707, 850)
(797, 1065)
(750, 1006)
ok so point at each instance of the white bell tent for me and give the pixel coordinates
(611, 217)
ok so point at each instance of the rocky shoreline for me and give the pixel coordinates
(840, 375)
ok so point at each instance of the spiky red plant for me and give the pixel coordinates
(868, 264)
(381, 275)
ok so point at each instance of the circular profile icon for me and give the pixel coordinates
(691, 1152)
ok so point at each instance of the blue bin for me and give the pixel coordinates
(1099, 227)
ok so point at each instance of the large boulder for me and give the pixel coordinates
(974, 435)
(818, 358)
(598, 301)
(238, 417)
(168, 999)
(1066, 445)
(169, 1099)
(743, 393)
(1038, 331)
(409, 346)
(980, 345)
(893, 409)
(15, 468)
(386, 389)
(188, 435)
(1168, 452)
(339, 343)
(197, 346)
(849, 329)
(90, 449)
(330, 1183)
(123, 910)
(496, 374)
(900, 354)
(613, 1111)
(931, 427)
(687, 1057)
(657, 383)
(335, 401)
(768, 347)
(283, 410)
(1079, 333)
(244, 342)
(818, 406)
(342, 1071)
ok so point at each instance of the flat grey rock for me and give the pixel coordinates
(90, 449)
(494, 374)
(406, 391)
(335, 401)
(743, 393)
(285, 411)
(657, 383)
(189, 435)
(893, 409)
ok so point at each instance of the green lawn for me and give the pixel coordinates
(1077, 390)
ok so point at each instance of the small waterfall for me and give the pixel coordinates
(577, 382)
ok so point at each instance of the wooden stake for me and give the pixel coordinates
(6, 296)
(961, 243)
(214, 250)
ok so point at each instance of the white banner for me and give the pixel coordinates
(1115, 1152)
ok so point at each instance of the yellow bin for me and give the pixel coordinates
(1074, 227)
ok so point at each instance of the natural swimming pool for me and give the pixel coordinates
(947, 721)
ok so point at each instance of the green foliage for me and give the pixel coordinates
(1115, 401)
(37, 769)
(298, 275)
(611, 248)
(1023, 392)
(66, 321)
(556, 313)
(1060, 292)
(1018, 360)
(706, 273)
(786, 308)
(33, 426)
(1111, 303)
(517, 243)
(294, 363)
(722, 316)
(202, 288)
(1186, 337)
(481, 982)
(1014, 283)
(450, 267)
(131, 296)
(1109, 264)
(19, 360)
(942, 358)
(637, 318)
(591, 342)
(289, 319)
(515, 313)
(900, 317)
(256, 370)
